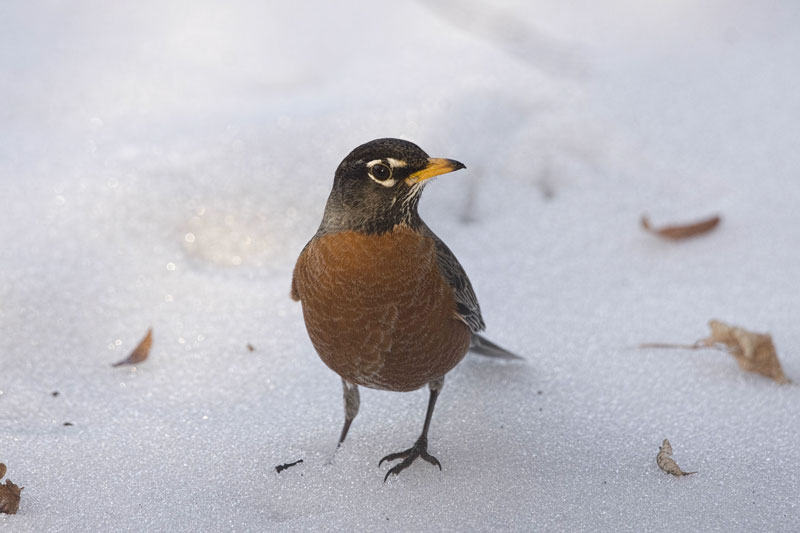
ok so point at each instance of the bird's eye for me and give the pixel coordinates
(380, 172)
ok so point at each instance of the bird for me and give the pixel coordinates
(385, 302)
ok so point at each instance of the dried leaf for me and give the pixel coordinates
(251, 348)
(754, 352)
(682, 231)
(9, 497)
(9, 494)
(140, 353)
(667, 463)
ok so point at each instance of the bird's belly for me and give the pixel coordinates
(377, 309)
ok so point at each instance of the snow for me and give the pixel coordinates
(162, 165)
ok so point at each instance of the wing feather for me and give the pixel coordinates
(467, 307)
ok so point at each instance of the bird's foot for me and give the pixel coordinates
(419, 449)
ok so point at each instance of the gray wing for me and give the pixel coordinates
(467, 307)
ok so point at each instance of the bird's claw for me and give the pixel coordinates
(420, 449)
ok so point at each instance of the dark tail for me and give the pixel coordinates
(481, 345)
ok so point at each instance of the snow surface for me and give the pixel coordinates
(162, 164)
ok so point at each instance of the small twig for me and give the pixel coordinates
(281, 468)
(695, 346)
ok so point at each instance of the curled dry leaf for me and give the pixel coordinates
(666, 463)
(754, 352)
(9, 497)
(140, 353)
(682, 231)
(9, 494)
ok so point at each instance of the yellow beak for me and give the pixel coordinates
(435, 167)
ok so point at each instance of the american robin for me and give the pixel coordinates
(386, 303)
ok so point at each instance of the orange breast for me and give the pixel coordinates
(377, 309)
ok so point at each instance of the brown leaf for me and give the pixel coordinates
(140, 353)
(9, 494)
(667, 463)
(754, 352)
(251, 348)
(682, 231)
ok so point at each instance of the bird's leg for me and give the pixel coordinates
(352, 401)
(420, 448)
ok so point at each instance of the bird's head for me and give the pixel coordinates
(378, 185)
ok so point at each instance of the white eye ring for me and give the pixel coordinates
(389, 181)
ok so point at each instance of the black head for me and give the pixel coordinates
(378, 186)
